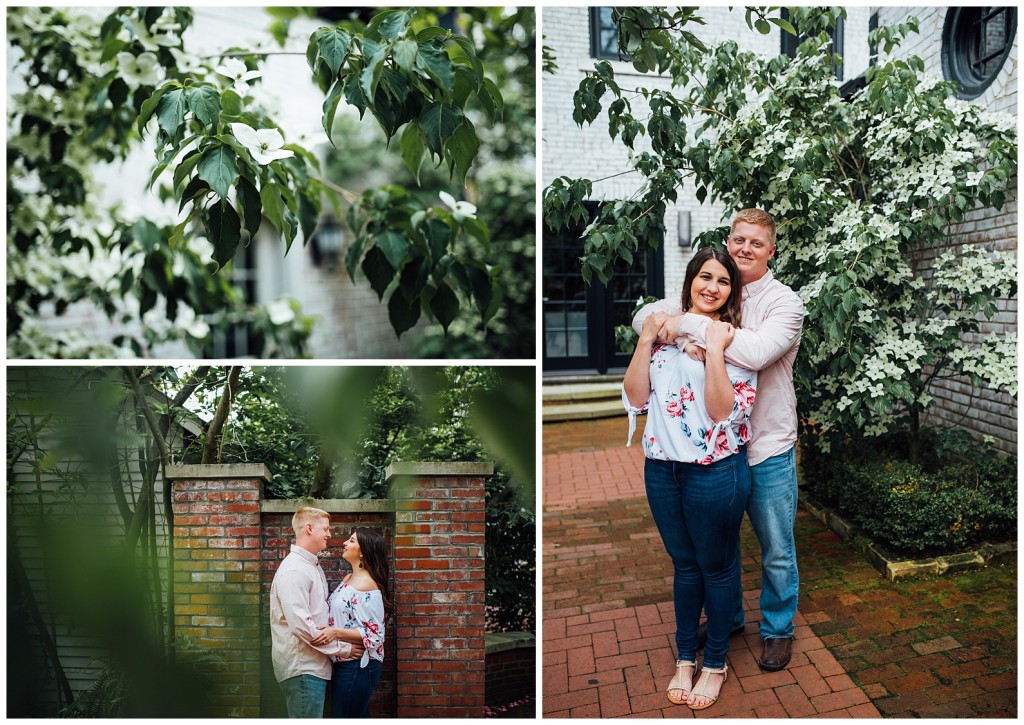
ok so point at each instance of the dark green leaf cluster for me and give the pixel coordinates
(409, 253)
(421, 80)
(946, 505)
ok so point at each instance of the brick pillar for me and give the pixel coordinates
(439, 587)
(217, 574)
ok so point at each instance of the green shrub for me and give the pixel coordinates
(960, 496)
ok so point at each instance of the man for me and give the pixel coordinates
(767, 342)
(298, 605)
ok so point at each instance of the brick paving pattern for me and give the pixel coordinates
(863, 647)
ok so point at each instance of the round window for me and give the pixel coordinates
(975, 43)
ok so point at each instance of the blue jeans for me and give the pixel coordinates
(698, 510)
(304, 695)
(352, 687)
(772, 512)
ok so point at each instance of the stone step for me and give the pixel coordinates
(582, 411)
(578, 392)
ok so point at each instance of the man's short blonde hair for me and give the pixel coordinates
(757, 217)
(307, 515)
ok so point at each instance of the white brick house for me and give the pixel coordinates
(569, 308)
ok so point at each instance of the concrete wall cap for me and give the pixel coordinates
(218, 470)
(501, 641)
(439, 468)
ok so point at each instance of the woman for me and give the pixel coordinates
(358, 610)
(695, 471)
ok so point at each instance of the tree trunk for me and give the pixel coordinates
(211, 453)
(322, 478)
(914, 438)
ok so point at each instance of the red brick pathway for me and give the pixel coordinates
(931, 647)
(608, 618)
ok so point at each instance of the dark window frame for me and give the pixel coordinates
(788, 43)
(597, 26)
(965, 45)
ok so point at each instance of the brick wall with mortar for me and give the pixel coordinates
(957, 401)
(228, 543)
(511, 667)
(439, 566)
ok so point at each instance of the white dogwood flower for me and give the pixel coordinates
(461, 208)
(140, 70)
(264, 144)
(237, 71)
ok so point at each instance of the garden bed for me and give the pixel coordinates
(893, 567)
(952, 508)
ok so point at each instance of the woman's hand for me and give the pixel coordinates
(719, 335)
(653, 323)
(329, 634)
(695, 351)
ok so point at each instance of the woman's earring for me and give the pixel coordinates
(360, 562)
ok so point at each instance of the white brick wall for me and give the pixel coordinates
(589, 152)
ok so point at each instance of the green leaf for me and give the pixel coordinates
(309, 214)
(170, 110)
(355, 96)
(273, 206)
(331, 108)
(479, 231)
(438, 234)
(403, 314)
(438, 122)
(252, 207)
(370, 76)
(218, 169)
(204, 102)
(466, 46)
(224, 231)
(334, 46)
(185, 166)
(412, 149)
(434, 61)
(230, 104)
(352, 255)
(195, 187)
(462, 148)
(394, 246)
(445, 305)
(490, 89)
(405, 52)
(389, 24)
(378, 271)
(149, 106)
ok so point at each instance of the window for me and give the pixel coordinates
(975, 44)
(790, 43)
(873, 47)
(604, 34)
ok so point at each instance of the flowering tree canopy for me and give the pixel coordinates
(859, 187)
(94, 85)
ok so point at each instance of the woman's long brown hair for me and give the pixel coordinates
(731, 311)
(375, 561)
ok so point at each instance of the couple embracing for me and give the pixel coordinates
(324, 638)
(714, 373)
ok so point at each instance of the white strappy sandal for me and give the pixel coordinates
(723, 670)
(680, 664)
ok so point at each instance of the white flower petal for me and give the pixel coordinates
(265, 157)
(448, 199)
(271, 138)
(232, 68)
(246, 135)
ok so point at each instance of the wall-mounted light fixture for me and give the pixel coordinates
(327, 243)
(683, 229)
